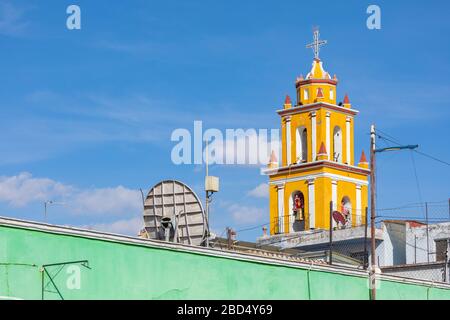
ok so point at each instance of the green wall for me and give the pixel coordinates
(119, 270)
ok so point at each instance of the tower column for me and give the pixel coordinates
(313, 136)
(358, 205)
(334, 198)
(288, 141)
(280, 200)
(327, 133)
(348, 140)
(311, 204)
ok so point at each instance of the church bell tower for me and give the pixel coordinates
(317, 158)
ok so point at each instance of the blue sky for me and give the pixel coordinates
(86, 115)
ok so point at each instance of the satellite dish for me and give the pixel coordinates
(173, 212)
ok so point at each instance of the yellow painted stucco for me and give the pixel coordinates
(319, 172)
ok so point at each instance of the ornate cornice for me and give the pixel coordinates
(317, 106)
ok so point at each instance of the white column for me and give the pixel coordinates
(358, 205)
(311, 204)
(291, 222)
(348, 140)
(334, 198)
(288, 141)
(313, 135)
(327, 128)
(280, 199)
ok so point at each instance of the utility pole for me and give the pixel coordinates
(211, 186)
(330, 254)
(373, 196)
(372, 212)
(207, 198)
(366, 257)
(428, 234)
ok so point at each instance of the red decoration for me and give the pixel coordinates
(298, 207)
(322, 149)
(287, 100)
(319, 93)
(363, 158)
(346, 99)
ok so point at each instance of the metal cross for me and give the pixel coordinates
(316, 44)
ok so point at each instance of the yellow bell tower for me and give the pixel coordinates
(317, 159)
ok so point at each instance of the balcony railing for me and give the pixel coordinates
(279, 223)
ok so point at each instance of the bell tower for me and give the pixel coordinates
(317, 158)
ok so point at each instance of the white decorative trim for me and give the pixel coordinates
(319, 105)
(288, 141)
(280, 201)
(348, 141)
(313, 135)
(311, 204)
(327, 134)
(421, 282)
(336, 177)
(299, 165)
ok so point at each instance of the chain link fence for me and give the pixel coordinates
(410, 241)
(416, 241)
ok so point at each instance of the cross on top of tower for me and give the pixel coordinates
(316, 44)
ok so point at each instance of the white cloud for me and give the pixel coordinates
(246, 214)
(124, 226)
(23, 189)
(261, 191)
(118, 200)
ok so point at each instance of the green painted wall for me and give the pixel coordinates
(129, 271)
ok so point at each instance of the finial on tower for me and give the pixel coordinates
(363, 161)
(346, 99)
(322, 154)
(287, 100)
(273, 162)
(316, 44)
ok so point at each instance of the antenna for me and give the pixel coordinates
(206, 158)
(47, 203)
(211, 186)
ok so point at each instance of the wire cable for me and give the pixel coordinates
(393, 140)
(252, 228)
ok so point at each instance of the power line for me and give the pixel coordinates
(387, 135)
(433, 158)
(253, 228)
(395, 141)
(410, 206)
(412, 217)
